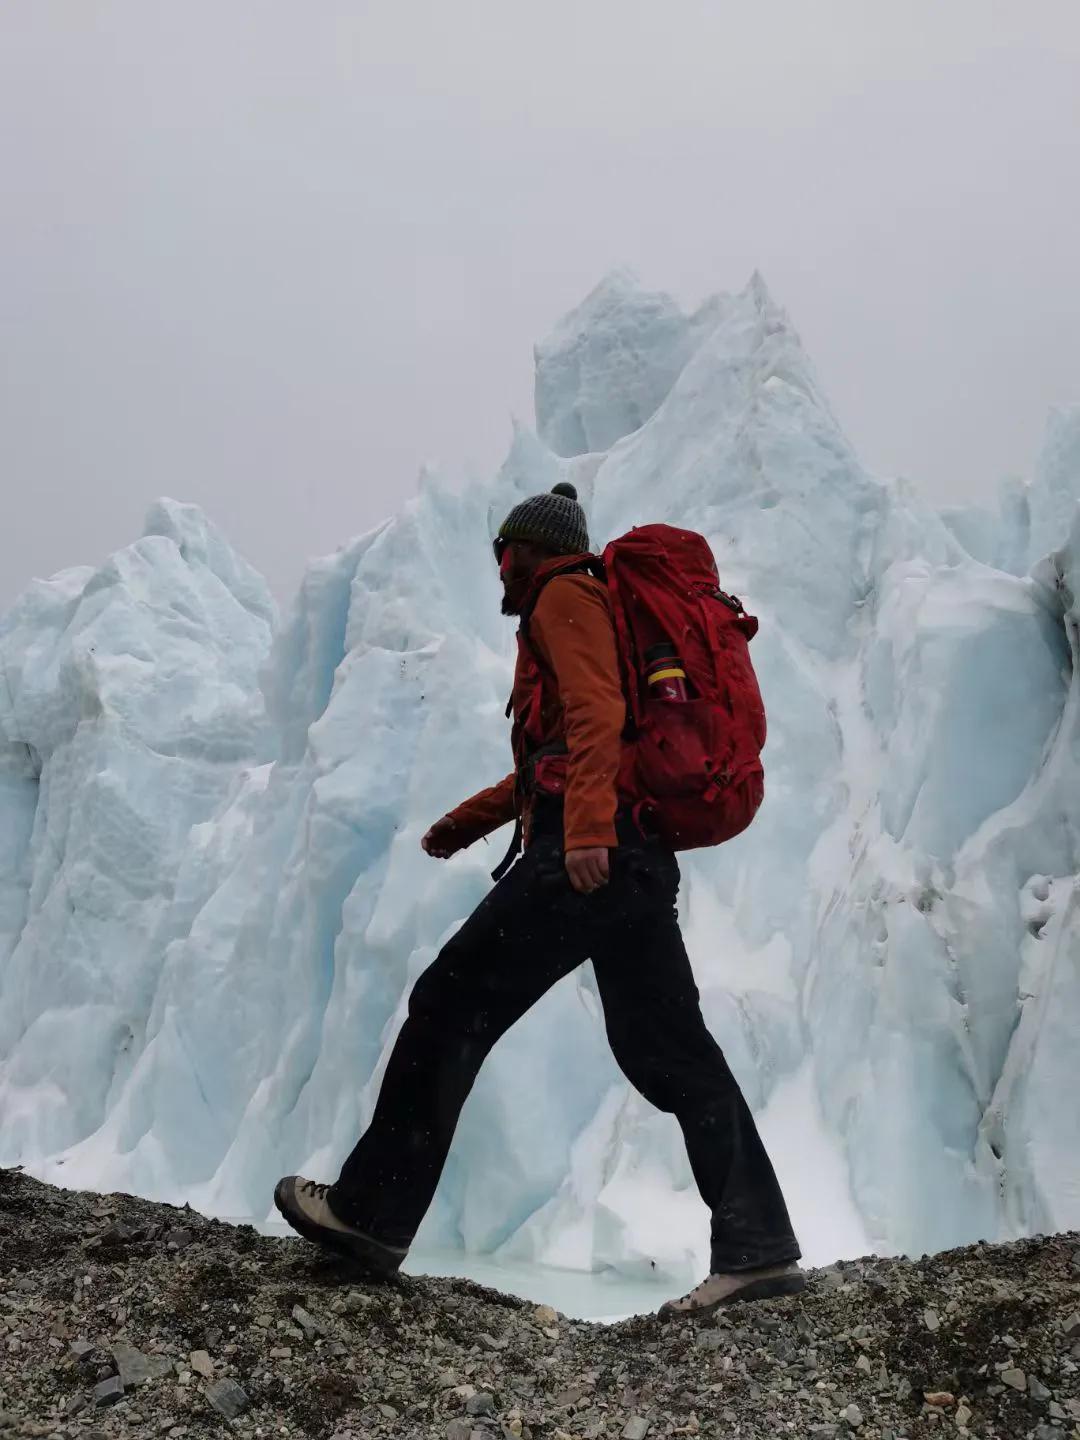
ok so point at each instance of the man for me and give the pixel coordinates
(589, 885)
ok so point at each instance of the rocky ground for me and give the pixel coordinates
(119, 1317)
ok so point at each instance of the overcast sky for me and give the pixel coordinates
(272, 257)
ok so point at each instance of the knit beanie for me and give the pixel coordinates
(554, 519)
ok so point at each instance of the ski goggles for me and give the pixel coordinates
(500, 547)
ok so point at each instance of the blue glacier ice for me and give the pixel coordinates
(213, 902)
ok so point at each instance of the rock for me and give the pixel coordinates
(1016, 1379)
(202, 1364)
(388, 1411)
(1071, 1326)
(710, 1339)
(931, 1320)
(1037, 1390)
(1056, 1412)
(228, 1398)
(356, 1301)
(307, 1322)
(118, 1234)
(108, 1392)
(569, 1396)
(545, 1315)
(491, 1342)
(178, 1239)
(84, 1351)
(942, 1399)
(76, 1404)
(281, 1352)
(480, 1404)
(963, 1415)
(134, 1368)
(459, 1430)
(636, 1428)
(863, 1364)
(853, 1415)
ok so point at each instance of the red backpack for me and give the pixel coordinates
(693, 769)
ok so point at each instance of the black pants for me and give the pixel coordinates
(530, 931)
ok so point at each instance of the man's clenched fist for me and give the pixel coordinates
(441, 840)
(588, 869)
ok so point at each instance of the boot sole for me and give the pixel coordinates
(380, 1261)
(771, 1289)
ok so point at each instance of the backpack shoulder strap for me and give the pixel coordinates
(585, 565)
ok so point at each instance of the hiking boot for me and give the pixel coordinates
(304, 1205)
(733, 1289)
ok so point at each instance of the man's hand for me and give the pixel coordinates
(588, 869)
(442, 839)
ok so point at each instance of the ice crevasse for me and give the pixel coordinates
(213, 902)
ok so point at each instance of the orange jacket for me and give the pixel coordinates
(572, 695)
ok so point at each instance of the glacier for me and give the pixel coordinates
(213, 902)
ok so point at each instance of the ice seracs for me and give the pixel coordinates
(213, 902)
(129, 705)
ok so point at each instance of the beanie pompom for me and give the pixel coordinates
(565, 488)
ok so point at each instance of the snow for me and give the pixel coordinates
(213, 902)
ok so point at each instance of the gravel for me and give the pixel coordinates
(124, 1318)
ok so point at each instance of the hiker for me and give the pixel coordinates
(591, 883)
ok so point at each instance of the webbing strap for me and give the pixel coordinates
(625, 648)
(511, 854)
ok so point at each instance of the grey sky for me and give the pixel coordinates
(271, 257)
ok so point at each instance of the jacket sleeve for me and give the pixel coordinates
(484, 812)
(573, 632)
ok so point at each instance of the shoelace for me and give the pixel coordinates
(691, 1293)
(316, 1188)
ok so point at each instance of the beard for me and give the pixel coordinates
(518, 577)
(514, 591)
